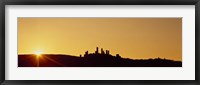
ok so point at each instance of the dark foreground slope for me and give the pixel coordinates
(91, 60)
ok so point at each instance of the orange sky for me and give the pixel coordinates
(136, 38)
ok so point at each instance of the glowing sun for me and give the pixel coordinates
(38, 52)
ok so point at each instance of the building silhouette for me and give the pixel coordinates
(118, 56)
(97, 50)
(102, 51)
(86, 53)
(107, 52)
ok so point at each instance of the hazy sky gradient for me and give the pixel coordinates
(134, 38)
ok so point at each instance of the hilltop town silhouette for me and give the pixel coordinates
(96, 59)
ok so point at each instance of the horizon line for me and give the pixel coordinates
(112, 55)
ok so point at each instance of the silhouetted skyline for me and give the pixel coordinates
(95, 59)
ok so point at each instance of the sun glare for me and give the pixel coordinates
(38, 52)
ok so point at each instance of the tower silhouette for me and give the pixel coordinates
(97, 50)
(107, 52)
(102, 52)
